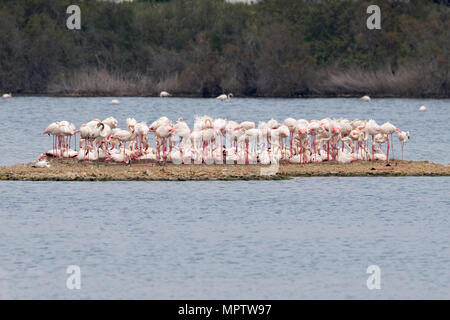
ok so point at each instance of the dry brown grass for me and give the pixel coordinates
(410, 80)
(101, 82)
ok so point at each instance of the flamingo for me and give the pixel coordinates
(388, 129)
(423, 108)
(220, 131)
(403, 137)
(51, 130)
(61, 130)
(164, 94)
(345, 157)
(7, 95)
(301, 135)
(207, 138)
(366, 98)
(124, 136)
(101, 134)
(41, 164)
(115, 101)
(163, 132)
(224, 97)
(290, 123)
(372, 128)
(111, 122)
(181, 130)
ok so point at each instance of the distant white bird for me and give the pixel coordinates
(7, 95)
(164, 94)
(41, 164)
(423, 108)
(115, 101)
(366, 98)
(224, 97)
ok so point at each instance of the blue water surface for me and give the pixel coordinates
(306, 238)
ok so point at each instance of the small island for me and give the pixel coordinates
(73, 170)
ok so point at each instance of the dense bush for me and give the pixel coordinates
(206, 47)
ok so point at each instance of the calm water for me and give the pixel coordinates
(303, 238)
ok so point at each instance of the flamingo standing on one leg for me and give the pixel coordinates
(388, 129)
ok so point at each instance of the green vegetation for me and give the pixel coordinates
(207, 47)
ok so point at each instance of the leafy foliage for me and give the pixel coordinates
(206, 47)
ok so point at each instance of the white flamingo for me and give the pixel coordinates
(403, 137)
(164, 94)
(224, 97)
(366, 98)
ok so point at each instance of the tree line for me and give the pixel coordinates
(282, 48)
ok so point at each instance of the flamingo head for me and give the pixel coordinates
(208, 123)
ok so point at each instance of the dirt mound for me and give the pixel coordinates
(73, 170)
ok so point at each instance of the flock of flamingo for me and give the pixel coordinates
(218, 141)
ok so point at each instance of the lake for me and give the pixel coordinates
(306, 238)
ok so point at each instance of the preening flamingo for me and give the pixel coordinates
(111, 122)
(124, 136)
(224, 97)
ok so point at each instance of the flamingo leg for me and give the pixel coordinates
(392, 147)
(373, 149)
(387, 151)
(328, 150)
